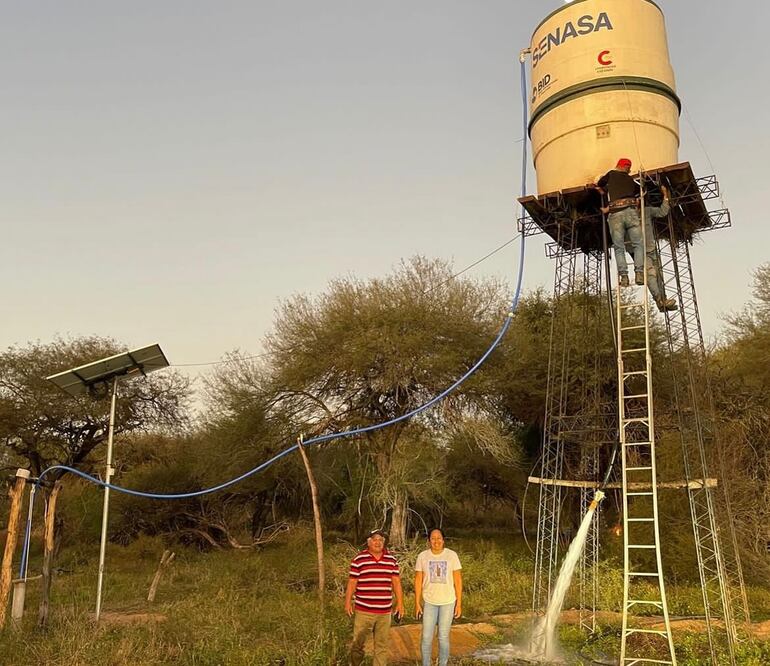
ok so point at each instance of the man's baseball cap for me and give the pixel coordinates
(382, 533)
(624, 162)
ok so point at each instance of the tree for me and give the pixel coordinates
(369, 352)
(40, 426)
(747, 352)
(480, 484)
(742, 394)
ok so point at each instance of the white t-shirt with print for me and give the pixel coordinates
(438, 586)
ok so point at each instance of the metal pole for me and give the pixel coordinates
(30, 510)
(109, 471)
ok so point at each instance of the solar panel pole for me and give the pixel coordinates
(78, 381)
(109, 471)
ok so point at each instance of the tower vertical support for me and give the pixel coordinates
(552, 457)
(594, 436)
(721, 577)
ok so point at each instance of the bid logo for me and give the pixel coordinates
(540, 87)
(604, 58)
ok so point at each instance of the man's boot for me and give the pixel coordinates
(639, 278)
(666, 304)
(624, 280)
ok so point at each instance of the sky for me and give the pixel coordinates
(171, 171)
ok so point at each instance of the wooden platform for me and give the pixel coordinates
(572, 217)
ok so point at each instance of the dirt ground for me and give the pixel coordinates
(122, 619)
(465, 638)
(468, 638)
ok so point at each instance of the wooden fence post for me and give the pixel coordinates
(166, 559)
(319, 543)
(48, 538)
(16, 494)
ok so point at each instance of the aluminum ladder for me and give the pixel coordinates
(643, 586)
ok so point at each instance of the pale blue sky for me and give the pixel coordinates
(171, 170)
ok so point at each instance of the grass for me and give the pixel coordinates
(260, 607)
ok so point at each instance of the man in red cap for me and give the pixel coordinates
(625, 225)
(374, 579)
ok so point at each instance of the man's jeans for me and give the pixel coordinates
(370, 624)
(625, 223)
(654, 272)
(431, 615)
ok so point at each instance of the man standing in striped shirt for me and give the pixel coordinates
(374, 579)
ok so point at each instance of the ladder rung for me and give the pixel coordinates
(637, 469)
(631, 328)
(637, 419)
(631, 351)
(632, 661)
(638, 444)
(660, 632)
(636, 395)
(640, 494)
(645, 574)
(624, 306)
(641, 545)
(640, 520)
(634, 372)
(631, 602)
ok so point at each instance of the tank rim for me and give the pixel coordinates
(572, 4)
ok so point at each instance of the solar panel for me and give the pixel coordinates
(78, 380)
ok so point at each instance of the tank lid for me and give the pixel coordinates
(575, 2)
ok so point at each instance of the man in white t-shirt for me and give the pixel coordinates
(438, 586)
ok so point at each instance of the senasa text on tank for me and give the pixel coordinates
(585, 25)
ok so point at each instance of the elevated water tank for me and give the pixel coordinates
(602, 88)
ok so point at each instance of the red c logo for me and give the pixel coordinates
(604, 58)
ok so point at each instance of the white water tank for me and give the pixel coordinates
(602, 88)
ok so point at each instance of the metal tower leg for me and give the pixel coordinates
(589, 563)
(591, 442)
(724, 595)
(737, 600)
(549, 506)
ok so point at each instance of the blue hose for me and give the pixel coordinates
(337, 435)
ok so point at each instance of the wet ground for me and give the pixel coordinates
(466, 639)
(477, 640)
(471, 640)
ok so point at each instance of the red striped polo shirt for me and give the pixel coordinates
(374, 581)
